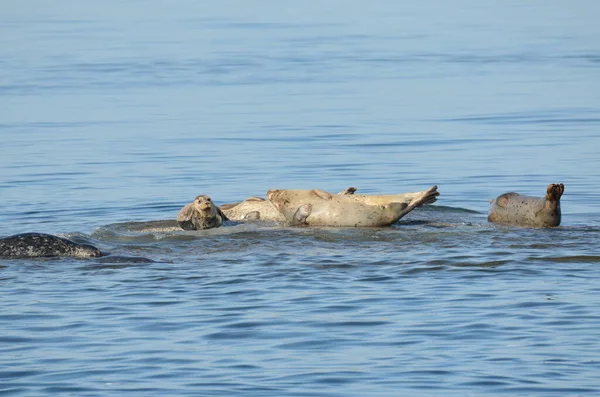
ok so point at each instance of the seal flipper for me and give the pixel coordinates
(301, 214)
(555, 191)
(185, 218)
(252, 216)
(322, 194)
(429, 196)
(222, 215)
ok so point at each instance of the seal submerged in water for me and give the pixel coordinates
(35, 245)
(320, 208)
(513, 208)
(202, 213)
(257, 208)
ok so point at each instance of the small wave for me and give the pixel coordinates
(569, 259)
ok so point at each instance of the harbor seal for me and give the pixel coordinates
(384, 199)
(200, 214)
(513, 208)
(320, 208)
(252, 209)
(257, 208)
(35, 245)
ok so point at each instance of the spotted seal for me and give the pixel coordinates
(34, 245)
(515, 209)
(200, 214)
(320, 208)
(257, 208)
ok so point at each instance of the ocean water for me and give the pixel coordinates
(123, 111)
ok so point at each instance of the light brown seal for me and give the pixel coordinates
(384, 199)
(320, 208)
(202, 213)
(257, 208)
(513, 208)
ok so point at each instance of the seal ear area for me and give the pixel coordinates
(322, 194)
(555, 191)
(301, 214)
(202, 198)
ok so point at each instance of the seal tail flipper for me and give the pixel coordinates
(301, 214)
(555, 191)
(427, 197)
(348, 191)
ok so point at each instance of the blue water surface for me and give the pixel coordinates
(122, 111)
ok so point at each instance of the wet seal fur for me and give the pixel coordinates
(36, 245)
(515, 209)
(257, 208)
(202, 213)
(320, 208)
(385, 199)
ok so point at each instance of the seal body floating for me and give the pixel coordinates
(252, 209)
(320, 208)
(202, 213)
(257, 208)
(35, 245)
(515, 209)
(384, 199)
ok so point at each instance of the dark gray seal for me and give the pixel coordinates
(202, 213)
(37, 245)
(515, 209)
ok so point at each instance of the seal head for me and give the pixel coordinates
(201, 214)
